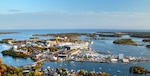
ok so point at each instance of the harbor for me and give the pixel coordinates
(102, 55)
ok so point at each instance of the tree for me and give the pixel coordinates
(20, 74)
(16, 70)
(8, 74)
(0, 60)
(82, 72)
(3, 67)
(37, 74)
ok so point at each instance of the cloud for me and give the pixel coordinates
(14, 10)
(78, 20)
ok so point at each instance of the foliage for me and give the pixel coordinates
(148, 46)
(146, 40)
(124, 41)
(82, 72)
(140, 34)
(137, 70)
(14, 53)
(32, 73)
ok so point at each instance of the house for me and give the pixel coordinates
(51, 43)
(125, 60)
(74, 52)
(121, 56)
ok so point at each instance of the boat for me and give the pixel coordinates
(100, 68)
(91, 42)
(118, 71)
(71, 61)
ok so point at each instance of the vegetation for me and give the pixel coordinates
(14, 54)
(31, 49)
(82, 72)
(10, 71)
(93, 35)
(15, 71)
(148, 46)
(124, 41)
(146, 40)
(68, 35)
(33, 73)
(6, 40)
(137, 70)
(109, 34)
(8, 32)
(140, 34)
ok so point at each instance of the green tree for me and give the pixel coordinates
(8, 74)
(20, 74)
(3, 67)
(16, 70)
(82, 72)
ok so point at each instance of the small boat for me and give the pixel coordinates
(118, 71)
(72, 62)
(91, 42)
(100, 68)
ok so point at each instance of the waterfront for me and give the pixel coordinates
(103, 45)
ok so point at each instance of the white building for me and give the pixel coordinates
(121, 56)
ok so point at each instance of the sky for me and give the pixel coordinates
(74, 14)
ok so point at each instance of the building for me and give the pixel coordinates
(121, 56)
(78, 46)
(125, 60)
(51, 43)
(74, 52)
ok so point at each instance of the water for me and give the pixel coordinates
(99, 45)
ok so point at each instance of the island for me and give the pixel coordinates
(124, 41)
(148, 46)
(139, 34)
(110, 34)
(146, 40)
(138, 70)
(9, 32)
(15, 54)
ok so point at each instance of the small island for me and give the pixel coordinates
(15, 54)
(138, 70)
(139, 34)
(148, 46)
(124, 41)
(146, 40)
(9, 32)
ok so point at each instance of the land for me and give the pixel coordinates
(36, 70)
(146, 40)
(9, 32)
(124, 41)
(109, 34)
(14, 54)
(119, 34)
(63, 47)
(138, 70)
(148, 46)
(140, 34)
